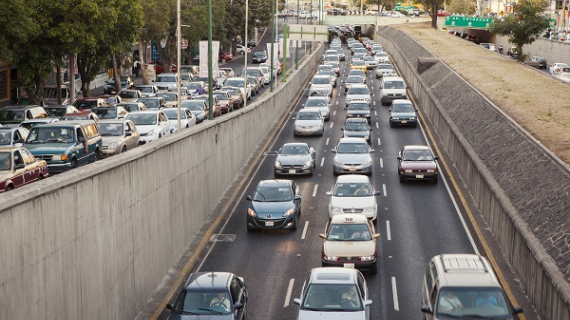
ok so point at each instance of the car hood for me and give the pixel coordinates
(419, 165)
(142, 129)
(352, 158)
(107, 140)
(275, 209)
(357, 111)
(352, 96)
(353, 202)
(308, 123)
(48, 148)
(356, 134)
(402, 114)
(175, 316)
(349, 248)
(298, 159)
(323, 315)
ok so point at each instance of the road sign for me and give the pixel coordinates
(308, 32)
(468, 22)
(184, 44)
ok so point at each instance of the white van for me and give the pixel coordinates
(463, 286)
(391, 88)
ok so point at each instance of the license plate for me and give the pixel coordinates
(292, 171)
(269, 223)
(349, 265)
(352, 169)
(404, 121)
(419, 176)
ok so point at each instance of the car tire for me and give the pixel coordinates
(124, 149)
(96, 156)
(41, 177)
(294, 227)
(374, 269)
(434, 180)
(73, 163)
(402, 180)
(9, 187)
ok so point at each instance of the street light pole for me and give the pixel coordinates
(272, 42)
(246, 47)
(210, 68)
(297, 44)
(179, 61)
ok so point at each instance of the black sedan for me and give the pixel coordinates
(276, 204)
(259, 57)
(126, 83)
(211, 295)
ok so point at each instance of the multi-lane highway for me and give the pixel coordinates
(416, 222)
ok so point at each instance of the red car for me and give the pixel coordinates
(19, 167)
(159, 67)
(417, 163)
(81, 115)
(224, 56)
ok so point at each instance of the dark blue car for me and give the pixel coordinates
(276, 204)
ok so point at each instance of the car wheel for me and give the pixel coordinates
(96, 156)
(375, 221)
(41, 177)
(9, 187)
(248, 227)
(294, 227)
(434, 180)
(73, 163)
(124, 149)
(374, 269)
(391, 125)
(159, 136)
(402, 180)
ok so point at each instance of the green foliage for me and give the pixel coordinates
(466, 7)
(524, 25)
(16, 22)
(431, 7)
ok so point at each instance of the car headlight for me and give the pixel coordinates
(368, 162)
(370, 209)
(113, 145)
(330, 258)
(60, 157)
(337, 162)
(277, 164)
(394, 118)
(366, 258)
(307, 164)
(412, 118)
(151, 132)
(431, 171)
(408, 171)
(251, 212)
(336, 209)
(289, 212)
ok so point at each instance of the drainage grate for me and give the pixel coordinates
(223, 238)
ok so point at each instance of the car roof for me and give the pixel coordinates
(144, 111)
(364, 120)
(416, 147)
(274, 183)
(296, 144)
(310, 110)
(351, 140)
(359, 85)
(392, 78)
(20, 107)
(348, 178)
(333, 275)
(9, 129)
(401, 101)
(68, 122)
(349, 218)
(208, 280)
(465, 270)
(113, 121)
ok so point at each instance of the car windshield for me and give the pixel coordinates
(308, 116)
(172, 113)
(359, 73)
(110, 129)
(356, 126)
(6, 137)
(259, 54)
(203, 302)
(235, 82)
(352, 147)
(131, 107)
(394, 85)
(294, 149)
(382, 55)
(193, 105)
(221, 95)
(358, 106)
(145, 89)
(110, 113)
(252, 80)
(41, 134)
(358, 63)
(325, 67)
(358, 90)
(354, 79)
(167, 96)
(349, 232)
(332, 297)
(403, 108)
(110, 100)
(417, 155)
(352, 190)
(161, 78)
(5, 161)
(331, 59)
(253, 72)
(368, 58)
(55, 112)
(476, 302)
(272, 194)
(150, 103)
(185, 76)
(12, 115)
(128, 94)
(316, 103)
(83, 104)
(193, 85)
(327, 72)
(144, 119)
(385, 67)
(321, 80)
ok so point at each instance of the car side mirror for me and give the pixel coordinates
(399, 158)
(341, 129)
(297, 301)
(81, 139)
(322, 236)
(248, 198)
(329, 193)
(517, 309)
(128, 133)
(367, 302)
(333, 150)
(435, 158)
(376, 236)
(238, 305)
(377, 193)
(297, 197)
(303, 105)
(427, 309)
(169, 306)
(371, 150)
(390, 109)
(20, 166)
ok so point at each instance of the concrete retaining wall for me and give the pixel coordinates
(95, 242)
(519, 186)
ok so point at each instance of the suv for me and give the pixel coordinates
(12, 116)
(358, 93)
(392, 88)
(321, 82)
(211, 295)
(462, 286)
(65, 145)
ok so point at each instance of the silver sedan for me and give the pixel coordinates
(295, 158)
(118, 135)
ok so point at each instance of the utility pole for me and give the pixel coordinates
(272, 42)
(297, 44)
(210, 67)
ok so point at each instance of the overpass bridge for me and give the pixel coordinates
(370, 23)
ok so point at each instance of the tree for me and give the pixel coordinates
(431, 7)
(466, 7)
(524, 25)
(17, 24)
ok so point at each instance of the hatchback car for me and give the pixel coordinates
(357, 128)
(118, 136)
(353, 194)
(403, 113)
(130, 95)
(199, 109)
(13, 136)
(309, 122)
(334, 293)
(349, 241)
(275, 204)
(211, 295)
(187, 119)
(295, 158)
(148, 90)
(352, 156)
(417, 163)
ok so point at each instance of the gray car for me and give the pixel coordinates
(403, 113)
(295, 158)
(309, 122)
(358, 110)
(352, 156)
(356, 128)
(118, 136)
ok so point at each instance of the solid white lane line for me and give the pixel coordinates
(384, 189)
(381, 163)
(388, 232)
(395, 294)
(376, 125)
(289, 292)
(323, 161)
(327, 142)
(315, 190)
(379, 143)
(305, 230)
(332, 124)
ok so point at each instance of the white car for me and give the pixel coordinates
(353, 193)
(382, 57)
(170, 97)
(350, 241)
(166, 81)
(187, 119)
(384, 69)
(557, 67)
(309, 122)
(241, 49)
(152, 124)
(321, 82)
(358, 93)
(239, 82)
(564, 76)
(334, 293)
(266, 74)
(392, 88)
(334, 61)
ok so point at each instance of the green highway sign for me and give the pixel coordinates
(468, 22)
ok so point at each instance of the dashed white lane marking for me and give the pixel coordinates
(323, 161)
(376, 125)
(337, 102)
(315, 190)
(305, 230)
(334, 113)
(289, 292)
(374, 102)
(327, 142)
(379, 143)
(375, 113)
(395, 294)
(332, 124)
(381, 163)
(384, 189)
(388, 231)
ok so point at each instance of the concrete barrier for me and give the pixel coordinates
(95, 242)
(520, 187)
